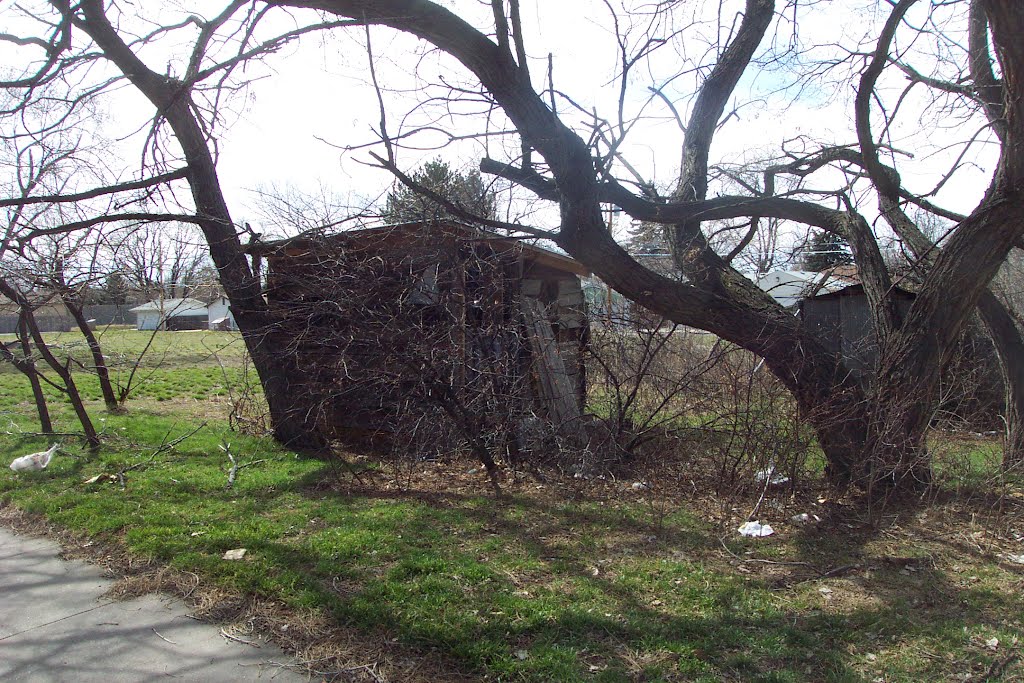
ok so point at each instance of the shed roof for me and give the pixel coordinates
(856, 290)
(172, 307)
(532, 252)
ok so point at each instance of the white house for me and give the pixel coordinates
(184, 314)
(220, 315)
(171, 314)
(789, 287)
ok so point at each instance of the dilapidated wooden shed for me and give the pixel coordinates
(491, 328)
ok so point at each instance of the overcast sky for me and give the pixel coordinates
(313, 99)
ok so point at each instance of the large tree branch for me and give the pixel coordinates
(874, 274)
(97, 192)
(690, 248)
(714, 94)
(987, 88)
(1006, 22)
(670, 213)
(74, 226)
(207, 30)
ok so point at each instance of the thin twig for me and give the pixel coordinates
(234, 466)
(162, 638)
(233, 472)
(163, 448)
(239, 640)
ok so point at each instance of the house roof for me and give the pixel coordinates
(172, 307)
(790, 286)
(847, 272)
(460, 230)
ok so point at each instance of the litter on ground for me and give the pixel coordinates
(756, 529)
(771, 476)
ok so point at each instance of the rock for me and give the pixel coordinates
(236, 554)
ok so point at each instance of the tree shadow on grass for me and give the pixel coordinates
(535, 588)
(522, 587)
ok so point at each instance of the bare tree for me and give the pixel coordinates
(30, 329)
(180, 146)
(22, 359)
(870, 434)
(159, 261)
(41, 163)
(73, 285)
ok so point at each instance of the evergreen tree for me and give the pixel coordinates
(825, 250)
(115, 290)
(466, 190)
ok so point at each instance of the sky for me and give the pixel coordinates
(302, 121)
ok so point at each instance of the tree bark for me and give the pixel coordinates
(42, 409)
(911, 363)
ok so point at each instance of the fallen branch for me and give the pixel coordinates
(997, 669)
(163, 448)
(162, 638)
(233, 472)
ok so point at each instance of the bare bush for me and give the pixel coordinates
(675, 399)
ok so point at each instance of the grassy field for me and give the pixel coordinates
(418, 574)
(196, 365)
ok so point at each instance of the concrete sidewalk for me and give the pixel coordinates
(55, 625)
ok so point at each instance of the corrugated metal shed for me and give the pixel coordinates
(842, 321)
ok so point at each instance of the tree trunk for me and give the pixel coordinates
(293, 412)
(99, 362)
(1009, 345)
(27, 367)
(45, 425)
(63, 371)
(912, 360)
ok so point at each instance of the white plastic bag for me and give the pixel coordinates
(34, 461)
(755, 529)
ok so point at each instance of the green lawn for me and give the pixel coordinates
(554, 583)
